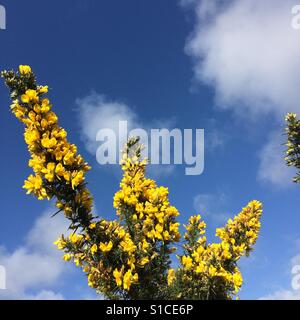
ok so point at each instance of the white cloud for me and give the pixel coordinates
(45, 295)
(294, 292)
(282, 295)
(272, 166)
(36, 265)
(295, 260)
(96, 112)
(211, 205)
(249, 53)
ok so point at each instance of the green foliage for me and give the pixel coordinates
(293, 143)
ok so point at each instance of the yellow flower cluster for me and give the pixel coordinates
(171, 276)
(145, 208)
(110, 243)
(149, 207)
(241, 233)
(127, 279)
(216, 262)
(58, 169)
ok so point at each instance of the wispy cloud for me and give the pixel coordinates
(272, 168)
(212, 206)
(36, 266)
(282, 295)
(292, 293)
(215, 136)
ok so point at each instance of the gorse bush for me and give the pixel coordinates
(293, 143)
(130, 257)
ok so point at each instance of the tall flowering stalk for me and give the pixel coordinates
(128, 258)
(58, 171)
(293, 143)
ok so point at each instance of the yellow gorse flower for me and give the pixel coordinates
(75, 238)
(106, 247)
(92, 225)
(118, 277)
(60, 243)
(129, 279)
(171, 276)
(67, 257)
(94, 248)
(144, 261)
(30, 96)
(24, 69)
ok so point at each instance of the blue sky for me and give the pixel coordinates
(228, 67)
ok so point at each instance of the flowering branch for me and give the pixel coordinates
(293, 143)
(128, 258)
